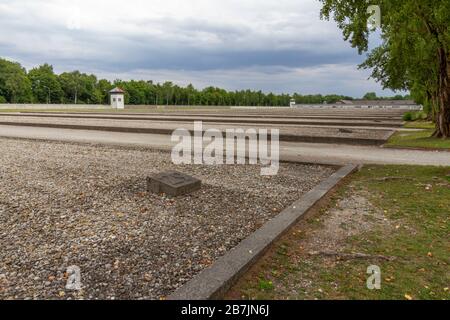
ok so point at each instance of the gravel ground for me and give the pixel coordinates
(66, 204)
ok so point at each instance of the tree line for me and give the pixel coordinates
(42, 85)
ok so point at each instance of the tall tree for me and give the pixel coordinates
(45, 85)
(103, 87)
(15, 87)
(80, 87)
(370, 96)
(415, 50)
(71, 85)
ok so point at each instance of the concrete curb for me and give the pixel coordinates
(212, 283)
(283, 137)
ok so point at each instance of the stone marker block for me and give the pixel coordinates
(173, 183)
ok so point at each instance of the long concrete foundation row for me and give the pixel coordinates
(323, 116)
(225, 119)
(288, 132)
(351, 127)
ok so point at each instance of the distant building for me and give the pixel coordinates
(367, 104)
(292, 103)
(117, 97)
(378, 103)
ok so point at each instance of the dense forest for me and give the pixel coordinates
(42, 85)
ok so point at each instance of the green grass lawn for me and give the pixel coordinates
(420, 125)
(417, 139)
(415, 203)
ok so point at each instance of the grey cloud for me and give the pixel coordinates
(327, 79)
(259, 50)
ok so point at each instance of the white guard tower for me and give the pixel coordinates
(117, 97)
(292, 103)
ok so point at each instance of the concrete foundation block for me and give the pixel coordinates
(173, 183)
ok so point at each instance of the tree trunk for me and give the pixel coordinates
(429, 101)
(434, 107)
(443, 115)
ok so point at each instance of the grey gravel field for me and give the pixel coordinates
(65, 204)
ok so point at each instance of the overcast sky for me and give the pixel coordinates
(272, 45)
